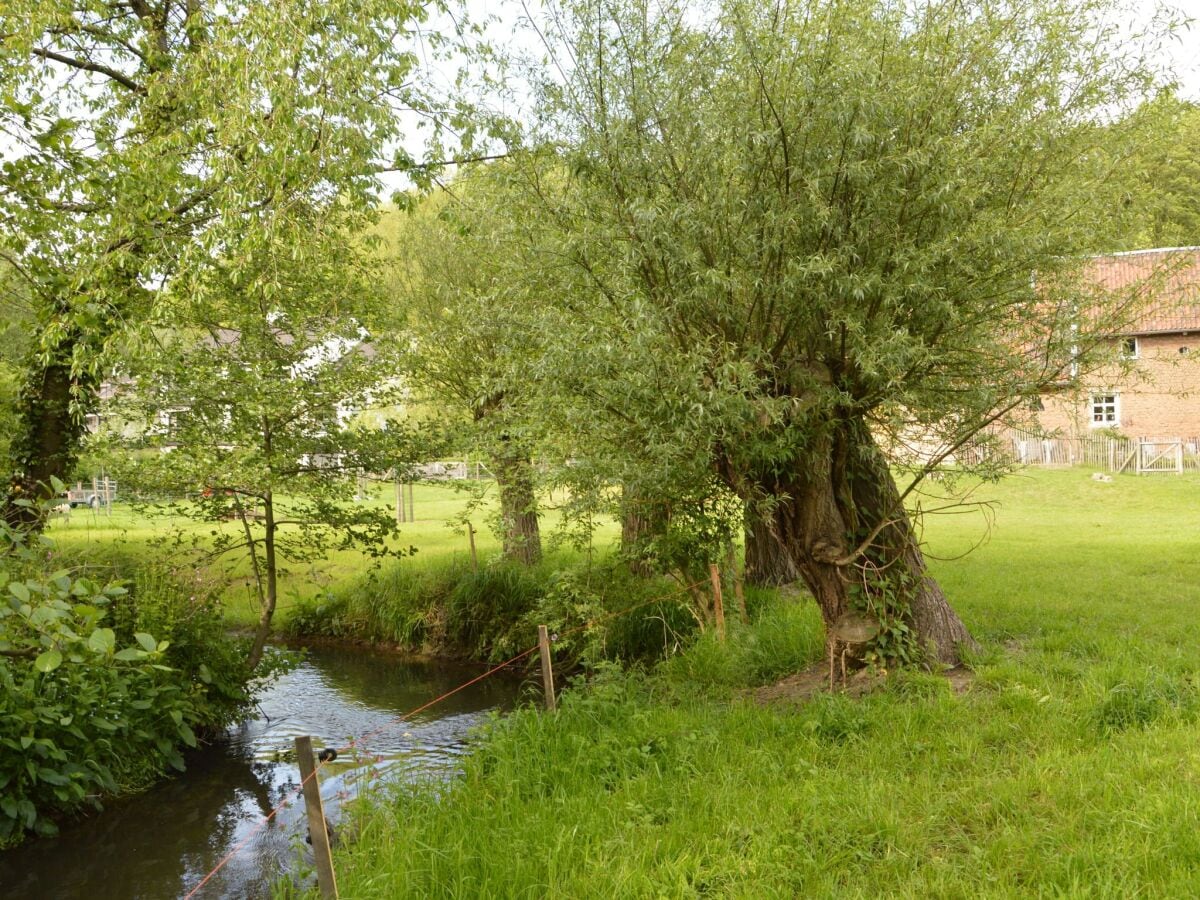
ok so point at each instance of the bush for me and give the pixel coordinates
(494, 613)
(100, 685)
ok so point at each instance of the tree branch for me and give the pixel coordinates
(87, 65)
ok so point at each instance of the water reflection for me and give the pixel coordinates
(161, 844)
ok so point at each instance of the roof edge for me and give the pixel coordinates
(1141, 252)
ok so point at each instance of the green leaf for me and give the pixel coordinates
(204, 674)
(102, 640)
(48, 661)
(129, 654)
(50, 776)
(18, 590)
(145, 640)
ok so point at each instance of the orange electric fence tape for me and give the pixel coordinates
(266, 820)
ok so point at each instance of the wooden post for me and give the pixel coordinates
(412, 504)
(471, 538)
(718, 606)
(399, 501)
(107, 495)
(547, 671)
(738, 592)
(316, 819)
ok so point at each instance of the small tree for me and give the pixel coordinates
(245, 390)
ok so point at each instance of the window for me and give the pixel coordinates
(1106, 410)
(1130, 348)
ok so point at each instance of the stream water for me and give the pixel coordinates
(160, 844)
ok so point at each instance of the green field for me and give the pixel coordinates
(1070, 765)
(434, 534)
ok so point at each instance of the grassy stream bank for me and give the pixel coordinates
(1068, 767)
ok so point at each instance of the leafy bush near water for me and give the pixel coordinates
(494, 613)
(101, 684)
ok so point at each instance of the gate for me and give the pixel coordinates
(1159, 456)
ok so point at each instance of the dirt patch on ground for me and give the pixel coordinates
(960, 678)
(804, 685)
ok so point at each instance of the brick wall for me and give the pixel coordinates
(1161, 398)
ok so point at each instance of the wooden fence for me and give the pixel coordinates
(1105, 453)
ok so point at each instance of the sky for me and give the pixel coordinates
(1183, 51)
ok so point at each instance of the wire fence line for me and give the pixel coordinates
(361, 740)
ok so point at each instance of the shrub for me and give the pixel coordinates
(100, 685)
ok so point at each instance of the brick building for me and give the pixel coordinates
(1159, 395)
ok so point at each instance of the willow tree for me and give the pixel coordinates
(806, 231)
(128, 130)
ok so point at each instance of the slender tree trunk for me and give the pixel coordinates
(48, 434)
(844, 498)
(520, 535)
(269, 591)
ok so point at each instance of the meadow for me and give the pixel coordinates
(435, 539)
(1068, 766)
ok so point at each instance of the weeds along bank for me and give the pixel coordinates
(446, 607)
(108, 671)
(1067, 767)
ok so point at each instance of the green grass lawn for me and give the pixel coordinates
(1070, 767)
(433, 535)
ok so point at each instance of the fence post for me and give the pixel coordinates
(738, 591)
(412, 504)
(718, 605)
(547, 670)
(316, 819)
(474, 556)
(399, 501)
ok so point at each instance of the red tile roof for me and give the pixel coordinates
(1175, 302)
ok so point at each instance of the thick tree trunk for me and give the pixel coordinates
(47, 440)
(518, 506)
(641, 521)
(846, 499)
(769, 561)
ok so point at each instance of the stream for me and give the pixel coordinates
(161, 843)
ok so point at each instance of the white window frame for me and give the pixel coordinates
(1106, 402)
(1137, 347)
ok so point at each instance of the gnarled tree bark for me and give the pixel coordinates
(843, 526)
